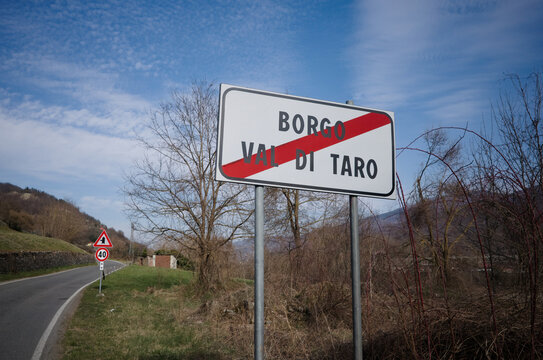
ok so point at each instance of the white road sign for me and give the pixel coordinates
(102, 254)
(281, 140)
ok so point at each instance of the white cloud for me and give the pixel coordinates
(109, 210)
(52, 151)
(88, 98)
(100, 205)
(429, 53)
(65, 112)
(95, 202)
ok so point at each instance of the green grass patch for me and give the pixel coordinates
(141, 316)
(24, 274)
(13, 241)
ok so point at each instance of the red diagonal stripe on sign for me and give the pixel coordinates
(287, 151)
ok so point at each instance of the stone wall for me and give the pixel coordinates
(37, 260)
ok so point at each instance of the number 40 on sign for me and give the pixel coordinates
(102, 254)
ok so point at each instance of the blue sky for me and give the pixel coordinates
(78, 79)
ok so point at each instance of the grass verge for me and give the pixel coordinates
(142, 316)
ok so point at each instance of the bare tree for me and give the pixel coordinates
(514, 176)
(292, 215)
(518, 119)
(438, 203)
(172, 192)
(61, 220)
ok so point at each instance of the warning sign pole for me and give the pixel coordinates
(101, 275)
(101, 255)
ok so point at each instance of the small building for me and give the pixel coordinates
(163, 261)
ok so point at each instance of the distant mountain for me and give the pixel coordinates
(393, 216)
(34, 211)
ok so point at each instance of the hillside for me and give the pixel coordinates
(11, 241)
(35, 212)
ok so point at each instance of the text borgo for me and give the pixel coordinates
(311, 125)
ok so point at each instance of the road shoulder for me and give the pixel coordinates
(53, 346)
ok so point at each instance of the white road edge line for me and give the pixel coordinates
(43, 340)
(39, 276)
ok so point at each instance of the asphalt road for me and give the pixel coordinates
(28, 306)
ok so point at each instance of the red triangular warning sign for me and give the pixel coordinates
(103, 240)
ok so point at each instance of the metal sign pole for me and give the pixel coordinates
(101, 275)
(355, 274)
(259, 272)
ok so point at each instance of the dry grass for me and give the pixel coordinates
(158, 315)
(12, 241)
(314, 322)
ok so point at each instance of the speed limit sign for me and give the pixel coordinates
(102, 254)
